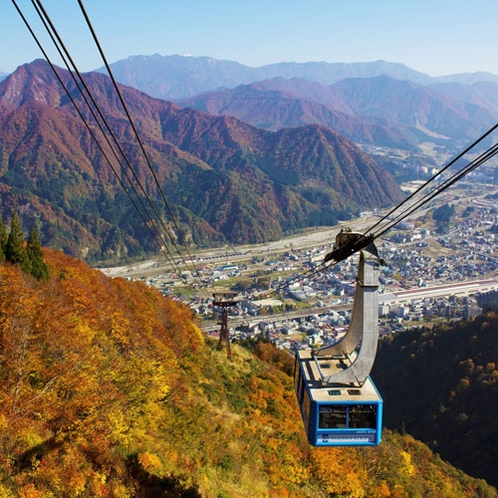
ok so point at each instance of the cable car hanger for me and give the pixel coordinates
(363, 331)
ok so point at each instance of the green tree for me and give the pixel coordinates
(443, 213)
(3, 240)
(39, 269)
(15, 249)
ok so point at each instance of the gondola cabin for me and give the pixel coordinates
(339, 403)
(336, 415)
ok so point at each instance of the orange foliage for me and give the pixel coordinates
(74, 360)
(341, 471)
(108, 389)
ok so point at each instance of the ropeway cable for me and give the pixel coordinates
(125, 107)
(157, 236)
(90, 130)
(60, 45)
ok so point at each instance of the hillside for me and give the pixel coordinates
(109, 389)
(278, 103)
(380, 110)
(226, 181)
(446, 391)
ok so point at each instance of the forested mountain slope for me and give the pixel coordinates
(225, 181)
(109, 389)
(441, 386)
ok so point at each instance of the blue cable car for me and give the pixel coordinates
(336, 415)
(339, 403)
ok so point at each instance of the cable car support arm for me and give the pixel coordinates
(357, 349)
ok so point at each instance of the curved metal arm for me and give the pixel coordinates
(363, 332)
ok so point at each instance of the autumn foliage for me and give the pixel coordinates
(108, 389)
(452, 367)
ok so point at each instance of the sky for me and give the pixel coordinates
(437, 37)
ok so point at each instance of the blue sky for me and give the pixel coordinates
(437, 37)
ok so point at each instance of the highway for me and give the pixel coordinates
(457, 289)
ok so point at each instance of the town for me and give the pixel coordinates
(429, 275)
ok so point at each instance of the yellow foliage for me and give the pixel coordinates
(5, 493)
(338, 469)
(4, 422)
(408, 466)
(120, 427)
(150, 462)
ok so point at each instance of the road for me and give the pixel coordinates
(402, 296)
(323, 236)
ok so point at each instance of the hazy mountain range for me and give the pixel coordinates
(379, 110)
(378, 103)
(177, 76)
(381, 103)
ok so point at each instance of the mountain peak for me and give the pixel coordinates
(31, 82)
